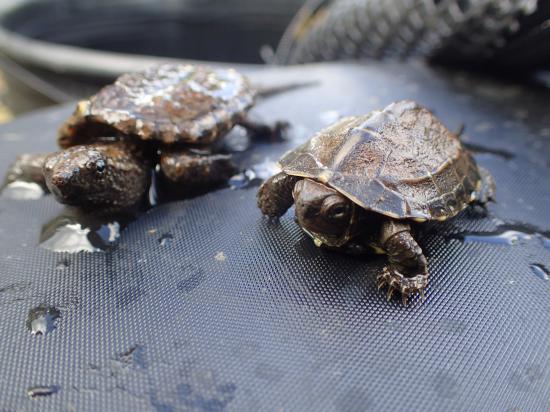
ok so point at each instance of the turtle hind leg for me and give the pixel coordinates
(275, 194)
(186, 173)
(258, 130)
(407, 271)
(488, 187)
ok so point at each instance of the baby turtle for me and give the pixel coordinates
(167, 116)
(364, 182)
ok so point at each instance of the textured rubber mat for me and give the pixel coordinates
(203, 305)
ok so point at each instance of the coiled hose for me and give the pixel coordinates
(459, 31)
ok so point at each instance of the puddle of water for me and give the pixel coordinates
(41, 391)
(73, 231)
(506, 234)
(540, 271)
(20, 190)
(42, 319)
(508, 237)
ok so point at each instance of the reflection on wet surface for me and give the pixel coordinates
(244, 180)
(506, 234)
(42, 319)
(255, 175)
(73, 231)
(20, 190)
(540, 271)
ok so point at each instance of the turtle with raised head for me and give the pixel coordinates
(168, 117)
(365, 182)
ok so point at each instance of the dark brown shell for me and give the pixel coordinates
(400, 162)
(170, 103)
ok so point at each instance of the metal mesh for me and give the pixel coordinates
(234, 313)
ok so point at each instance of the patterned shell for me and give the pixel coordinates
(400, 162)
(170, 103)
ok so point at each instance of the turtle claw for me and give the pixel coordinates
(407, 286)
(390, 293)
(405, 298)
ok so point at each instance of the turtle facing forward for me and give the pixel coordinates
(366, 181)
(167, 116)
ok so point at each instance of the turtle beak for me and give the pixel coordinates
(59, 184)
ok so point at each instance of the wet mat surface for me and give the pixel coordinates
(202, 305)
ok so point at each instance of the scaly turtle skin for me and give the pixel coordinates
(168, 115)
(367, 180)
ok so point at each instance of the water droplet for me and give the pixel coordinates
(220, 257)
(165, 238)
(20, 190)
(42, 319)
(243, 180)
(41, 391)
(74, 232)
(62, 264)
(540, 271)
(153, 193)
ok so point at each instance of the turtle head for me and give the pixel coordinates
(325, 214)
(76, 173)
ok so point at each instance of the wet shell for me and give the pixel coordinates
(401, 162)
(169, 103)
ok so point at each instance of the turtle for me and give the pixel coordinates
(366, 184)
(167, 117)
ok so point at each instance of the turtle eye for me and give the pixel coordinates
(335, 209)
(96, 166)
(100, 167)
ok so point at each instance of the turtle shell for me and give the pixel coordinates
(169, 103)
(401, 162)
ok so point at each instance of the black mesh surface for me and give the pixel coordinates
(231, 312)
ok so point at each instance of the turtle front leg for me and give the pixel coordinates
(407, 271)
(275, 194)
(186, 171)
(258, 130)
(27, 168)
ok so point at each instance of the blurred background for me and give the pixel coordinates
(53, 51)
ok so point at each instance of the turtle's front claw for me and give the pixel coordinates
(407, 286)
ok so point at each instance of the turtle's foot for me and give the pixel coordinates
(406, 285)
(258, 130)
